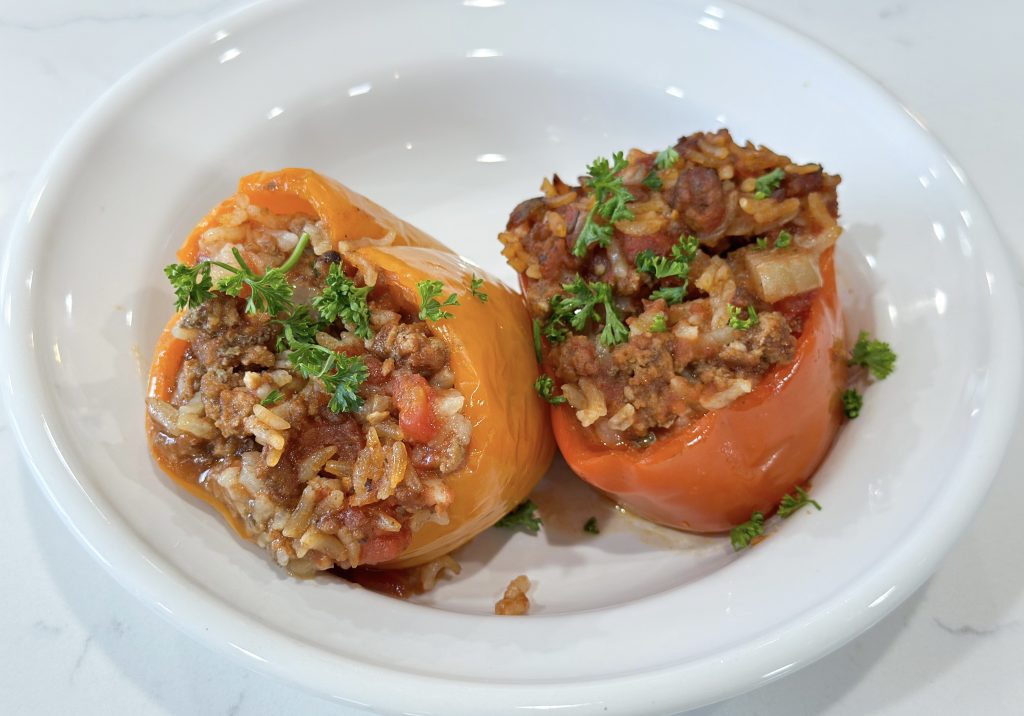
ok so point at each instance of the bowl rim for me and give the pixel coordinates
(209, 620)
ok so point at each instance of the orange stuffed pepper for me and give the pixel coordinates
(686, 316)
(341, 387)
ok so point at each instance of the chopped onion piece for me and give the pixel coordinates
(779, 274)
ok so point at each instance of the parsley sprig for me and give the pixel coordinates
(268, 293)
(342, 299)
(853, 401)
(341, 374)
(742, 324)
(545, 388)
(432, 309)
(610, 202)
(792, 503)
(676, 265)
(524, 516)
(297, 327)
(743, 534)
(474, 288)
(273, 396)
(579, 306)
(877, 356)
(765, 184)
(193, 285)
(666, 158)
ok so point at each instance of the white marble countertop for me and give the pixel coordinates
(75, 642)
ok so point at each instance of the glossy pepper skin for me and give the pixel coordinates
(711, 474)
(490, 347)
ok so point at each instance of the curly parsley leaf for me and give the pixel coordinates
(340, 374)
(675, 265)
(765, 184)
(761, 243)
(342, 299)
(783, 240)
(590, 526)
(268, 293)
(666, 158)
(545, 388)
(792, 503)
(192, 284)
(742, 324)
(659, 324)
(474, 288)
(524, 516)
(432, 309)
(652, 181)
(877, 356)
(742, 535)
(852, 403)
(298, 327)
(273, 396)
(575, 309)
(611, 199)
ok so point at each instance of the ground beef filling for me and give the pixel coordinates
(761, 223)
(316, 488)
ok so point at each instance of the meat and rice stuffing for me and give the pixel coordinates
(326, 434)
(668, 284)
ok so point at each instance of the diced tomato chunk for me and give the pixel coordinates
(414, 399)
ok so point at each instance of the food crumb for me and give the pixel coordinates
(515, 602)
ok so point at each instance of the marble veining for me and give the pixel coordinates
(76, 642)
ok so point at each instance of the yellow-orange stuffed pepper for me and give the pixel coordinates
(686, 311)
(344, 389)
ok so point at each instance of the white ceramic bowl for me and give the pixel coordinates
(449, 114)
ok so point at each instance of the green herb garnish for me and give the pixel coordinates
(761, 243)
(272, 397)
(537, 345)
(876, 356)
(545, 387)
(792, 503)
(432, 310)
(192, 284)
(580, 306)
(764, 185)
(342, 299)
(666, 158)
(652, 181)
(524, 516)
(341, 374)
(474, 288)
(268, 293)
(852, 403)
(659, 324)
(591, 526)
(298, 327)
(610, 202)
(783, 240)
(742, 324)
(742, 535)
(676, 265)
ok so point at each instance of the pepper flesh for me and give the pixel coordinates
(490, 348)
(714, 472)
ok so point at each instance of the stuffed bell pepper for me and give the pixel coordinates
(341, 387)
(686, 317)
